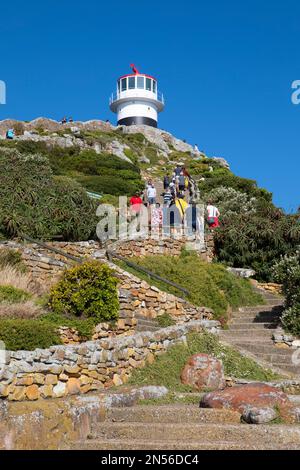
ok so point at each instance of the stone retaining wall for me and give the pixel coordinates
(135, 296)
(169, 246)
(69, 370)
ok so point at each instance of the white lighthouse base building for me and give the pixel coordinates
(137, 100)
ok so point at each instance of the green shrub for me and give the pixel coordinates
(12, 258)
(287, 272)
(10, 294)
(33, 202)
(257, 240)
(165, 320)
(87, 290)
(27, 334)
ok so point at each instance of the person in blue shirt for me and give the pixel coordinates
(10, 134)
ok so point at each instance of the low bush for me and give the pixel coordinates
(25, 310)
(12, 258)
(11, 276)
(27, 334)
(87, 291)
(165, 320)
(10, 294)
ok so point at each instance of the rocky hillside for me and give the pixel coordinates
(97, 157)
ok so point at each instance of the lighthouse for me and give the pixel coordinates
(137, 100)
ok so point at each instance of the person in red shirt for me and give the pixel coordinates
(135, 203)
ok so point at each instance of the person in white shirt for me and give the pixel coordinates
(151, 195)
(213, 215)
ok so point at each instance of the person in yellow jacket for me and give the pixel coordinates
(181, 205)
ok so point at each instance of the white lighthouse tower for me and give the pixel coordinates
(137, 99)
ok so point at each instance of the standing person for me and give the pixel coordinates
(135, 204)
(213, 215)
(156, 219)
(10, 134)
(181, 205)
(63, 120)
(177, 170)
(71, 119)
(151, 195)
(167, 197)
(181, 182)
(166, 182)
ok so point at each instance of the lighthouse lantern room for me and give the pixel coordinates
(137, 99)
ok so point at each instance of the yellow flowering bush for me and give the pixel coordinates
(88, 290)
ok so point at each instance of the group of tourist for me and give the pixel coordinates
(65, 120)
(176, 211)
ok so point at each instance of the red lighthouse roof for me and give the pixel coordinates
(136, 72)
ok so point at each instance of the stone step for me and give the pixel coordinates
(253, 320)
(260, 309)
(273, 358)
(197, 432)
(286, 367)
(248, 333)
(262, 348)
(140, 444)
(147, 323)
(251, 325)
(171, 414)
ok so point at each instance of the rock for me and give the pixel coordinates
(259, 415)
(222, 162)
(241, 272)
(242, 397)
(296, 343)
(144, 159)
(46, 391)
(203, 372)
(73, 386)
(32, 392)
(59, 390)
(117, 380)
(51, 379)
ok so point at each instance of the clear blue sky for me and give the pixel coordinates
(225, 67)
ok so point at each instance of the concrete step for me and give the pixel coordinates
(260, 308)
(275, 358)
(236, 325)
(253, 320)
(186, 432)
(172, 414)
(248, 333)
(286, 367)
(140, 444)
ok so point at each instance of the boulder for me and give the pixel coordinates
(203, 372)
(243, 397)
(259, 415)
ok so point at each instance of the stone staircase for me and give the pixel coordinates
(251, 330)
(146, 324)
(185, 427)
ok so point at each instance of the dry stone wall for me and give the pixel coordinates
(69, 370)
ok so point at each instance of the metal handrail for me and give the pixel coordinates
(118, 95)
(112, 254)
